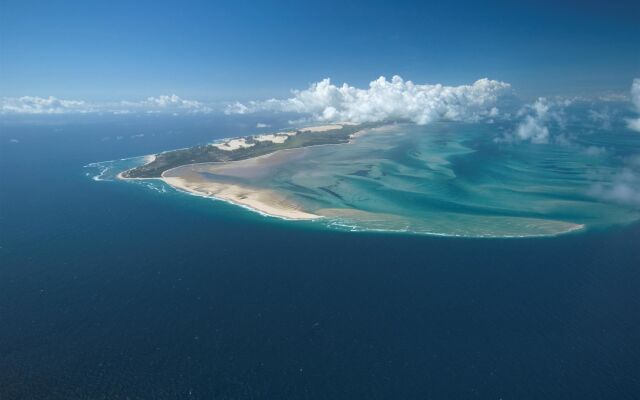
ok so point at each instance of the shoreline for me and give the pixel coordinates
(148, 158)
(262, 201)
(270, 203)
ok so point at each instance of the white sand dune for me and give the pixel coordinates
(321, 128)
(233, 144)
(278, 137)
(271, 138)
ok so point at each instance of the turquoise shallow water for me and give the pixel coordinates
(448, 179)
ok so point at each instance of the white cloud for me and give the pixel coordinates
(262, 125)
(537, 117)
(396, 99)
(601, 117)
(237, 108)
(635, 93)
(621, 185)
(173, 101)
(52, 105)
(634, 123)
(533, 128)
(165, 104)
(624, 188)
(42, 105)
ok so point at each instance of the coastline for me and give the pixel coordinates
(225, 181)
(263, 201)
(148, 160)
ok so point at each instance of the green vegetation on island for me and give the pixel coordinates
(302, 137)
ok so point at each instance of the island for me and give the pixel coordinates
(384, 177)
(245, 148)
(211, 170)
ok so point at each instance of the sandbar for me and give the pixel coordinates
(262, 200)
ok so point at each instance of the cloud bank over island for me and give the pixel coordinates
(539, 122)
(394, 99)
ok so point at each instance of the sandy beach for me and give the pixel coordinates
(320, 128)
(233, 144)
(195, 178)
(261, 200)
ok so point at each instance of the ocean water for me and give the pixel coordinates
(115, 290)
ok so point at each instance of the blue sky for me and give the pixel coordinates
(252, 50)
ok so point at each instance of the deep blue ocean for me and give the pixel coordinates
(112, 291)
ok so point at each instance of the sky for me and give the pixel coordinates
(251, 50)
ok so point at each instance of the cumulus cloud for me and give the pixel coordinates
(634, 123)
(42, 105)
(173, 101)
(396, 99)
(601, 117)
(536, 120)
(52, 105)
(262, 125)
(534, 127)
(623, 186)
(559, 120)
(166, 103)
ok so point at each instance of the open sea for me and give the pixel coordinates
(110, 290)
